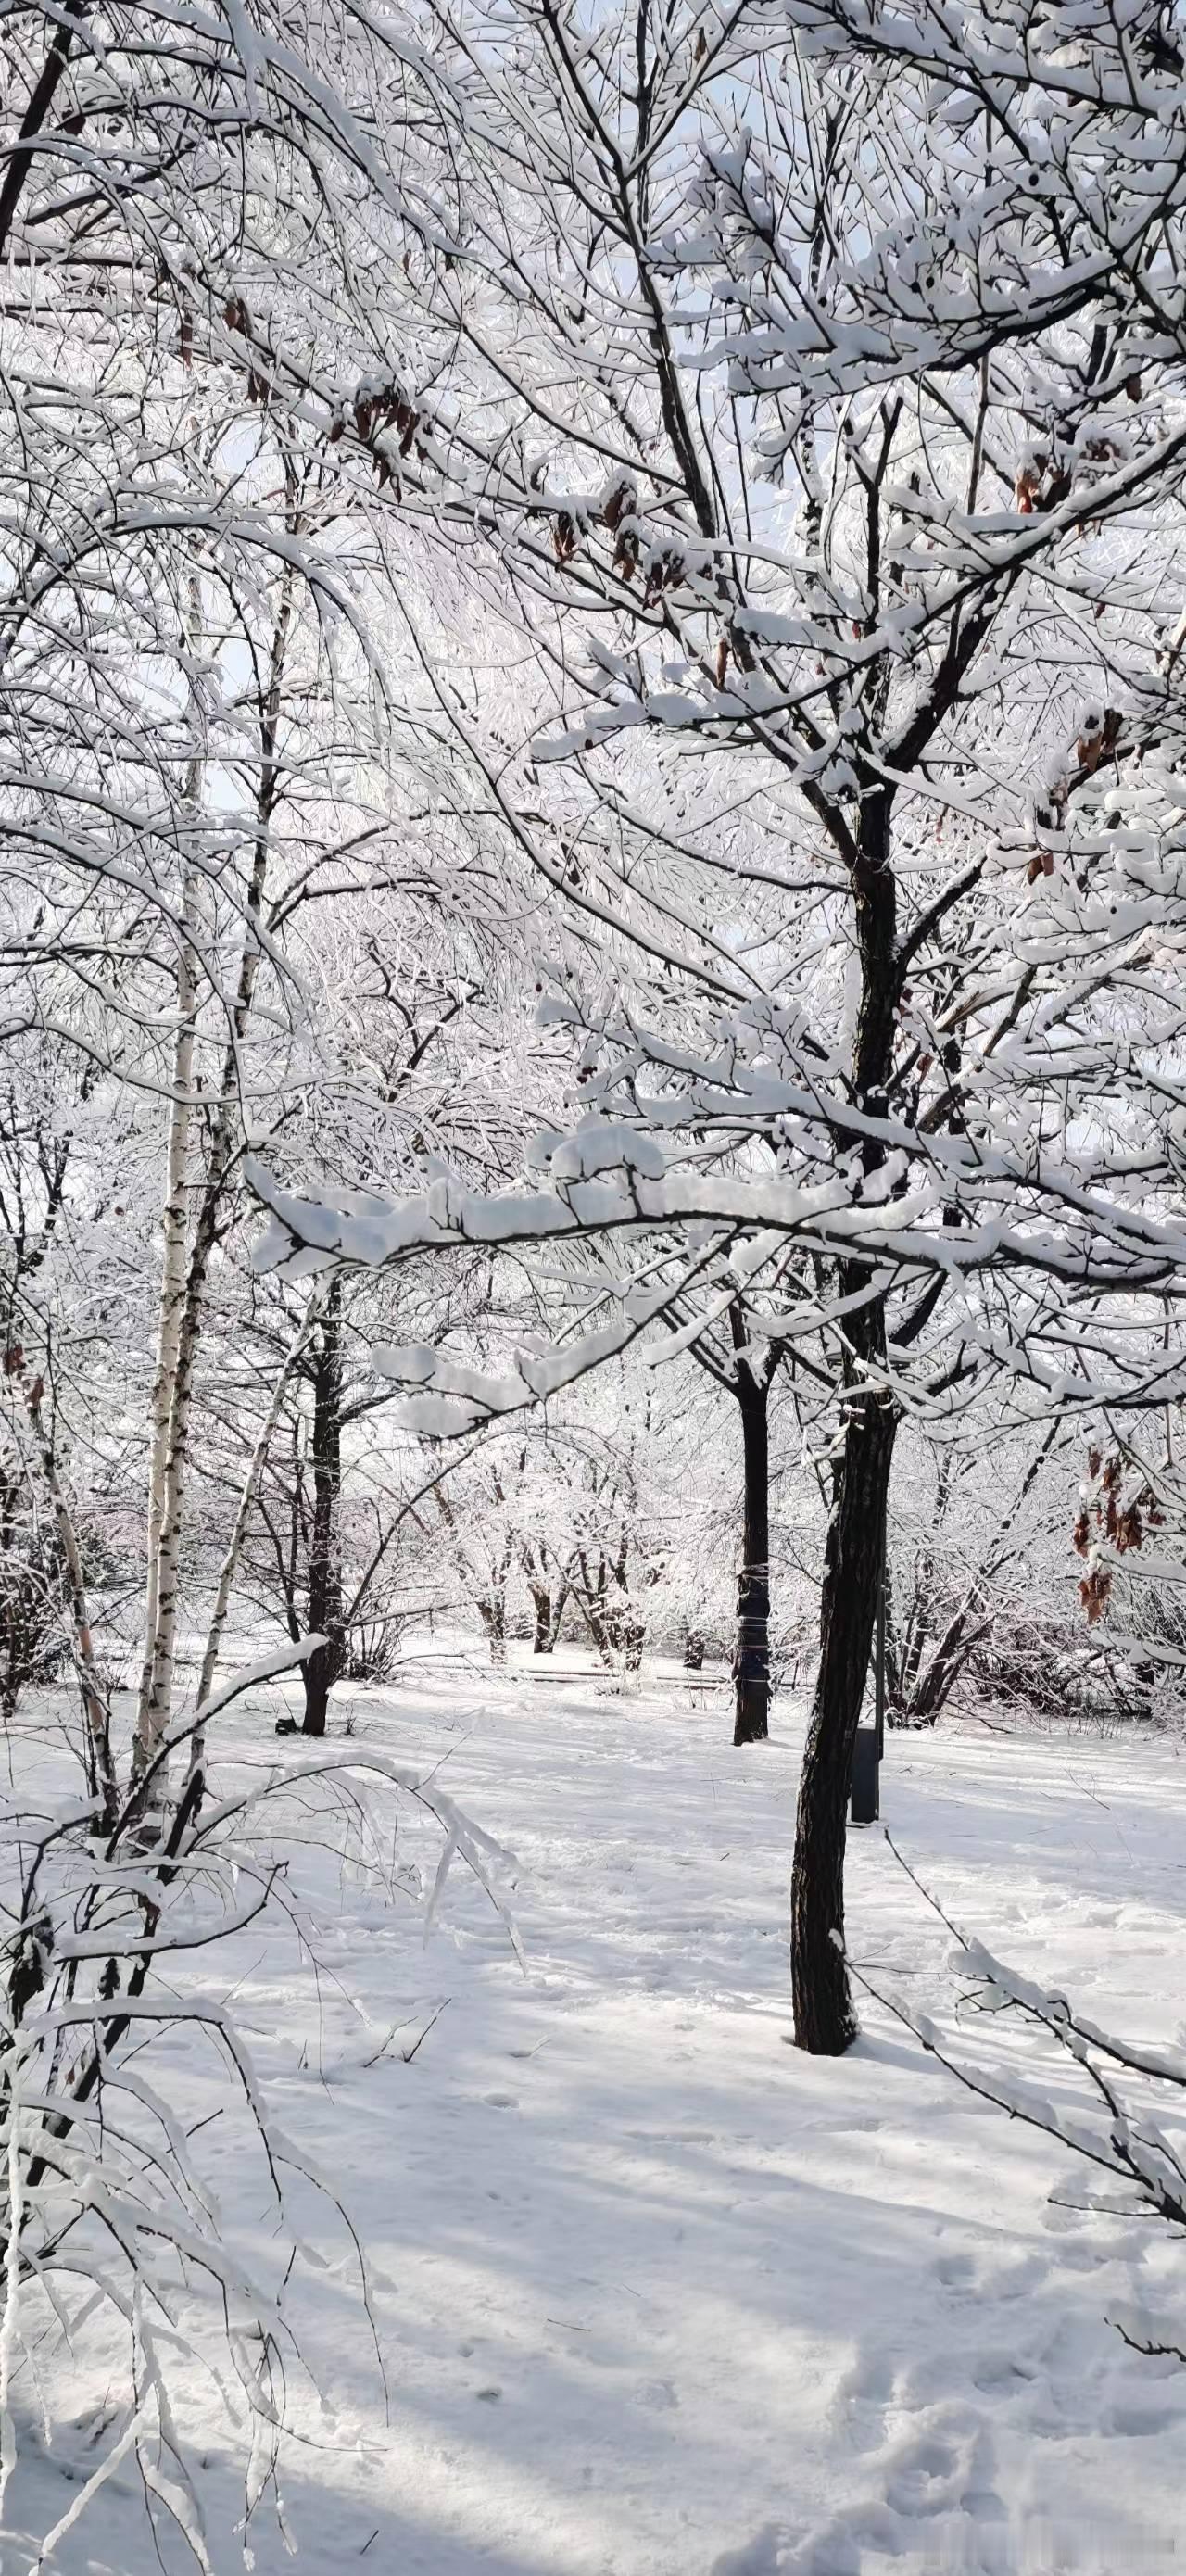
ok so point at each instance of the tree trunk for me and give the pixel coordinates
(543, 1640)
(322, 1669)
(493, 1614)
(693, 1651)
(167, 1502)
(751, 1659)
(825, 2024)
(171, 1313)
(591, 1599)
(99, 1764)
(941, 1676)
(824, 2021)
(318, 1681)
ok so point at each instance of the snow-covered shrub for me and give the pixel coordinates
(112, 2231)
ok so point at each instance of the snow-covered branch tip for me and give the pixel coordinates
(1115, 2123)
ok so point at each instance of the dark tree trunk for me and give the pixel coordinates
(693, 1651)
(323, 1669)
(825, 2023)
(543, 1639)
(493, 1615)
(318, 1684)
(592, 1601)
(751, 1659)
(939, 1681)
(960, 1638)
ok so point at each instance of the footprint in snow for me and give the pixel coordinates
(765, 2555)
(657, 2394)
(926, 2478)
(965, 2277)
(862, 2400)
(1135, 2415)
(1003, 2373)
(956, 2271)
(942, 2477)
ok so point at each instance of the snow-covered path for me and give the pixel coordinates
(656, 2295)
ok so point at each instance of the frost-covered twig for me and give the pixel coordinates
(1124, 2139)
(102, 2187)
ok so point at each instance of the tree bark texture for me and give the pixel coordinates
(160, 1609)
(541, 1602)
(101, 1779)
(493, 1615)
(825, 2023)
(824, 2020)
(183, 1299)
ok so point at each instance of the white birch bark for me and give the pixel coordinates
(156, 1696)
(100, 1770)
(175, 1227)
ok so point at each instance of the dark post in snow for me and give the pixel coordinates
(744, 1369)
(322, 1669)
(869, 1742)
(751, 1660)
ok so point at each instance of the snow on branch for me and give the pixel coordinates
(104, 2191)
(1128, 2116)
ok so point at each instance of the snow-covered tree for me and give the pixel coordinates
(836, 562)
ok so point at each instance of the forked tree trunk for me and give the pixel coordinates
(751, 1660)
(322, 1669)
(922, 1693)
(541, 1602)
(942, 1674)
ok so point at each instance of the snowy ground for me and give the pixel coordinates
(656, 2295)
